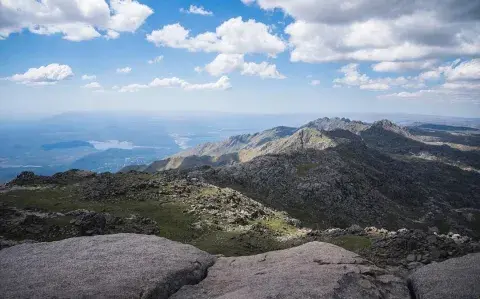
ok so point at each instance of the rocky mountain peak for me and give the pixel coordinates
(330, 124)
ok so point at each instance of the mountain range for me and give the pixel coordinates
(337, 172)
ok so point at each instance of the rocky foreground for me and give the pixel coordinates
(141, 266)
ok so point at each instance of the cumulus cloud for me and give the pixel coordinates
(227, 63)
(467, 70)
(263, 70)
(234, 36)
(402, 66)
(125, 70)
(454, 81)
(196, 10)
(222, 83)
(44, 75)
(378, 30)
(89, 77)
(224, 64)
(75, 20)
(353, 77)
(132, 88)
(375, 86)
(112, 34)
(157, 59)
(93, 85)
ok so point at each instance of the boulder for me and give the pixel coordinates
(313, 270)
(110, 266)
(457, 278)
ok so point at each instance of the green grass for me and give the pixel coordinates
(173, 223)
(278, 226)
(237, 243)
(352, 243)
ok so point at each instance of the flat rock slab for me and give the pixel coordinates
(110, 266)
(457, 278)
(313, 270)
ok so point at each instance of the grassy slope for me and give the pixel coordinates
(172, 220)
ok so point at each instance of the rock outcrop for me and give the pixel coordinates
(142, 266)
(455, 278)
(112, 266)
(313, 270)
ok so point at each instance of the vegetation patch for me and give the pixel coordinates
(172, 222)
(303, 169)
(278, 226)
(238, 243)
(352, 243)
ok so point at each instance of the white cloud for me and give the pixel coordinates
(93, 85)
(227, 63)
(430, 75)
(375, 86)
(263, 70)
(315, 82)
(125, 70)
(462, 85)
(198, 69)
(401, 66)
(224, 64)
(352, 77)
(75, 20)
(197, 10)
(379, 30)
(133, 88)
(467, 70)
(222, 83)
(168, 82)
(128, 15)
(456, 81)
(73, 32)
(44, 75)
(439, 94)
(234, 36)
(157, 59)
(89, 77)
(112, 34)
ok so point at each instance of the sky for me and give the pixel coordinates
(248, 56)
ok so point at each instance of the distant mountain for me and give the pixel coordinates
(319, 134)
(437, 127)
(338, 172)
(331, 124)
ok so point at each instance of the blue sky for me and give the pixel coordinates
(263, 56)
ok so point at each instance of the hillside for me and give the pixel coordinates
(337, 172)
(453, 148)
